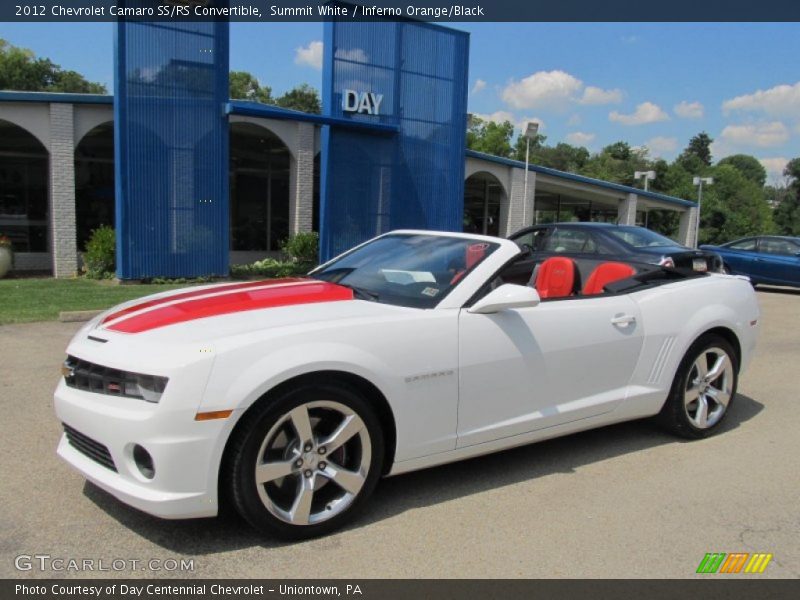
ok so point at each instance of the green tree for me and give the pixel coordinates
(787, 212)
(303, 97)
(562, 156)
(490, 137)
(697, 154)
(617, 162)
(21, 70)
(748, 166)
(245, 86)
(733, 207)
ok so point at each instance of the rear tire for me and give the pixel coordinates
(703, 389)
(303, 464)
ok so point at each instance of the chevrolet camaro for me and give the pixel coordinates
(289, 399)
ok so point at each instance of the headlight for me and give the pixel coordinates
(83, 375)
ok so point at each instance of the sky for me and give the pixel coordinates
(591, 84)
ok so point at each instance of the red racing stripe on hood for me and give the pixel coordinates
(229, 287)
(228, 303)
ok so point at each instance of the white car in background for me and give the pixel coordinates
(293, 397)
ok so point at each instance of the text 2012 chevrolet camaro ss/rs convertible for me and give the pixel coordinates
(291, 398)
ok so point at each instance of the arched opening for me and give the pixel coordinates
(94, 182)
(259, 188)
(483, 196)
(24, 189)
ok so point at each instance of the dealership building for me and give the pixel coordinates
(193, 181)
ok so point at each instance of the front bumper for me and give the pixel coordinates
(186, 453)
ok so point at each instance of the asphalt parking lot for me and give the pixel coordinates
(623, 501)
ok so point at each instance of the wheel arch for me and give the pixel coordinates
(344, 378)
(728, 335)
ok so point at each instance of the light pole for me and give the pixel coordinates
(648, 176)
(699, 181)
(530, 133)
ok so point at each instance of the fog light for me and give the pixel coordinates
(144, 461)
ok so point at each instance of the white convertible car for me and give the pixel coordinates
(291, 398)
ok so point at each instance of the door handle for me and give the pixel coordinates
(623, 320)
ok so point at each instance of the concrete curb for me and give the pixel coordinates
(76, 316)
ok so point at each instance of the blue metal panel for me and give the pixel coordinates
(373, 184)
(171, 136)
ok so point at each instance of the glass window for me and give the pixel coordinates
(413, 270)
(748, 244)
(571, 241)
(259, 188)
(778, 246)
(24, 204)
(639, 237)
(533, 240)
(483, 195)
(94, 182)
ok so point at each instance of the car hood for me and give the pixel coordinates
(190, 305)
(215, 312)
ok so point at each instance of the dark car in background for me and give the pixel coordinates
(769, 259)
(605, 241)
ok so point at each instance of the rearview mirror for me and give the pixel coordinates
(506, 296)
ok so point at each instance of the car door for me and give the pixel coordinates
(526, 369)
(741, 256)
(778, 260)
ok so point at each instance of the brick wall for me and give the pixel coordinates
(63, 240)
(301, 187)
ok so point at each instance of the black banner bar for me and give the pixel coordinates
(711, 587)
(441, 11)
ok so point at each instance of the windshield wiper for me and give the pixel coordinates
(362, 293)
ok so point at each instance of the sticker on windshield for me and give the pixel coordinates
(430, 292)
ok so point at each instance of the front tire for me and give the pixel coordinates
(703, 389)
(303, 464)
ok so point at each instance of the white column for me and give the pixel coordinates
(63, 227)
(626, 211)
(520, 208)
(301, 184)
(688, 227)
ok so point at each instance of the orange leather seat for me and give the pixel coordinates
(556, 277)
(604, 274)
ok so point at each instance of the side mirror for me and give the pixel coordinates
(506, 296)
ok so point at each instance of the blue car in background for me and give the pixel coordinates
(769, 259)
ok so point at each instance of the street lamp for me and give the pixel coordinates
(699, 181)
(648, 176)
(530, 133)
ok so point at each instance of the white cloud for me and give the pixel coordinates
(310, 55)
(574, 120)
(543, 89)
(762, 135)
(595, 95)
(646, 112)
(498, 117)
(689, 110)
(501, 116)
(580, 138)
(660, 145)
(774, 167)
(779, 101)
(479, 86)
(629, 39)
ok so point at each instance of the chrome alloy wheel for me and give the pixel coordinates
(313, 462)
(709, 388)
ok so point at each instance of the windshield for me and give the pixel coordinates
(412, 270)
(639, 237)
